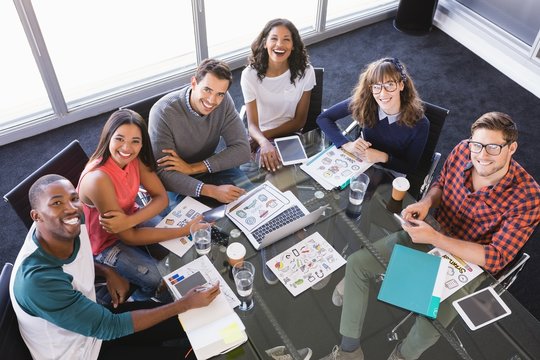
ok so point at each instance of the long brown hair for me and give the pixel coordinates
(117, 119)
(363, 105)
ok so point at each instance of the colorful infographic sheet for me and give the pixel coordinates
(334, 167)
(459, 273)
(183, 213)
(257, 206)
(306, 263)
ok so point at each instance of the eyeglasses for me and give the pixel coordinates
(491, 149)
(388, 86)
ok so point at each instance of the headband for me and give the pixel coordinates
(399, 67)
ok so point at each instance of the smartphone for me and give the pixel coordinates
(214, 214)
(402, 221)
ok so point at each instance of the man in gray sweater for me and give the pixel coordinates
(185, 127)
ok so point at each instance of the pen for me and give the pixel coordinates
(462, 262)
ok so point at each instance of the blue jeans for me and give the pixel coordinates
(137, 266)
(233, 176)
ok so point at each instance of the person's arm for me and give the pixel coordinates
(328, 118)
(195, 298)
(119, 221)
(97, 189)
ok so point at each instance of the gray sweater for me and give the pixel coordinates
(195, 138)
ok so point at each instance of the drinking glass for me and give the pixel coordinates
(201, 234)
(243, 273)
(357, 191)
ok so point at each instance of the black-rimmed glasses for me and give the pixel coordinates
(388, 86)
(491, 149)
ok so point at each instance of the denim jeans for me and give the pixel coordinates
(134, 264)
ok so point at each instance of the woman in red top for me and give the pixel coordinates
(122, 161)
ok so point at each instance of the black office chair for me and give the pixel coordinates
(315, 101)
(12, 345)
(421, 178)
(69, 162)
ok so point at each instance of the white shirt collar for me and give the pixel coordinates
(391, 118)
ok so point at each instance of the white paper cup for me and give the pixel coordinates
(235, 253)
(400, 185)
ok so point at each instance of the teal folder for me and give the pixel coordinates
(414, 280)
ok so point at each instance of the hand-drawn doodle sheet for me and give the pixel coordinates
(257, 206)
(334, 166)
(183, 213)
(306, 263)
(459, 273)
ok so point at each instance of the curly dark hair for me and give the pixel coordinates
(117, 119)
(298, 60)
(363, 105)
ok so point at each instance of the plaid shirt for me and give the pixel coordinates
(501, 217)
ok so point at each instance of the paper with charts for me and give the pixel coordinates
(213, 329)
(333, 167)
(182, 213)
(257, 206)
(460, 272)
(306, 263)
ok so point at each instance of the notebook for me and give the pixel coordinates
(266, 215)
(414, 280)
(213, 329)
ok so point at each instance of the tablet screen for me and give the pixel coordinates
(290, 150)
(481, 308)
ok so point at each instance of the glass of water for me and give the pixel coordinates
(244, 273)
(201, 234)
(357, 191)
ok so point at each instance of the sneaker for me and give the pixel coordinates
(338, 354)
(337, 295)
(396, 355)
(280, 353)
(267, 254)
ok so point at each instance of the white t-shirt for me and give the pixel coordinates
(276, 97)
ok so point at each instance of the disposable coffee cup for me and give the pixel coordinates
(400, 185)
(235, 253)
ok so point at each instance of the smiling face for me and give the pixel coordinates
(279, 44)
(58, 211)
(208, 93)
(125, 144)
(390, 101)
(492, 167)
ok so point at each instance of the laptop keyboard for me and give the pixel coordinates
(286, 217)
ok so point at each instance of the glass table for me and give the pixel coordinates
(311, 320)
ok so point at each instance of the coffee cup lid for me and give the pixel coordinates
(236, 250)
(401, 183)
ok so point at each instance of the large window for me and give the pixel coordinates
(67, 60)
(21, 89)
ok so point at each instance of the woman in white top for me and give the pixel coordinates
(276, 85)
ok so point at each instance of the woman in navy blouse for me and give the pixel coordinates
(389, 111)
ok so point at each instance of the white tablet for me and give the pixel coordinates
(290, 149)
(481, 308)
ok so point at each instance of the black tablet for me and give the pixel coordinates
(290, 149)
(214, 214)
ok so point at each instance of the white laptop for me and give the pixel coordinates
(266, 215)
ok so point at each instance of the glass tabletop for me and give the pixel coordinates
(310, 319)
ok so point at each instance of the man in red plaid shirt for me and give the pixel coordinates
(487, 206)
